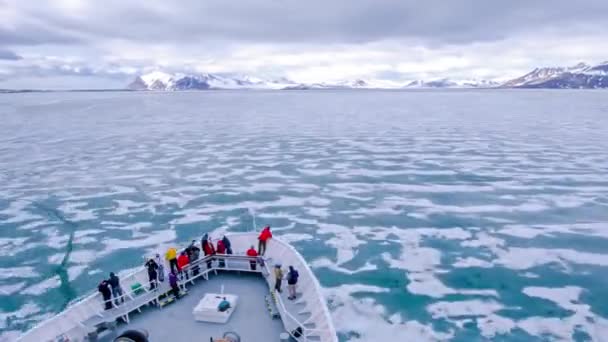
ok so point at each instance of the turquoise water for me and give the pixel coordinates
(440, 215)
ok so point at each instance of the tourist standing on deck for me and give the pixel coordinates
(161, 268)
(106, 293)
(292, 280)
(193, 255)
(173, 284)
(208, 249)
(152, 267)
(171, 257)
(182, 263)
(204, 242)
(265, 235)
(221, 249)
(189, 249)
(251, 252)
(278, 277)
(116, 289)
(227, 245)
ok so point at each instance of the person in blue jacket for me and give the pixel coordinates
(292, 280)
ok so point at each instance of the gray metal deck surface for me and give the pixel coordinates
(175, 321)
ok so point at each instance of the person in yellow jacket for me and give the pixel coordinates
(171, 257)
(278, 277)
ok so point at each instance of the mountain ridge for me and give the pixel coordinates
(579, 76)
(160, 81)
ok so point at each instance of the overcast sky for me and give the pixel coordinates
(105, 43)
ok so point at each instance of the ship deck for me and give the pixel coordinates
(175, 322)
(251, 318)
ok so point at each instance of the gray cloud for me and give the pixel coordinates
(27, 34)
(313, 39)
(61, 68)
(312, 21)
(9, 55)
(61, 74)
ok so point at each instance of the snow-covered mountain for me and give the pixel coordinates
(579, 76)
(542, 74)
(356, 84)
(162, 81)
(600, 69)
(449, 83)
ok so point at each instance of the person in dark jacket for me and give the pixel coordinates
(106, 293)
(193, 256)
(173, 284)
(292, 280)
(116, 289)
(152, 272)
(189, 249)
(227, 245)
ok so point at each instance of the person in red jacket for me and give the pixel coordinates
(208, 250)
(221, 249)
(265, 235)
(251, 252)
(183, 261)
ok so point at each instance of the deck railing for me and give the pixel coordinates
(310, 295)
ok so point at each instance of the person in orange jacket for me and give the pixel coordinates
(265, 235)
(182, 262)
(251, 252)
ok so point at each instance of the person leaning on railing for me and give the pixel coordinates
(193, 254)
(227, 244)
(208, 249)
(171, 257)
(116, 288)
(253, 254)
(182, 262)
(106, 293)
(221, 250)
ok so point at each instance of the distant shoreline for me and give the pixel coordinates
(25, 91)
(21, 91)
